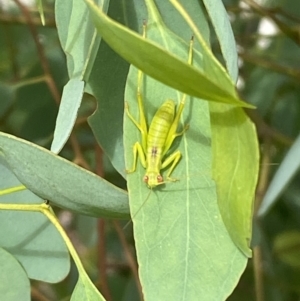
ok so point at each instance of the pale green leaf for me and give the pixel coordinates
(222, 27)
(235, 169)
(80, 44)
(67, 114)
(62, 182)
(235, 146)
(26, 234)
(150, 57)
(181, 240)
(85, 290)
(39, 4)
(77, 36)
(14, 283)
(284, 175)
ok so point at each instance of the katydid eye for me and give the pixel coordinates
(159, 178)
(145, 179)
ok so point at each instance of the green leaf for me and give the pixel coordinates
(235, 169)
(14, 283)
(181, 240)
(174, 21)
(222, 27)
(80, 44)
(107, 84)
(235, 146)
(68, 109)
(284, 175)
(150, 57)
(39, 4)
(62, 182)
(77, 36)
(85, 290)
(29, 236)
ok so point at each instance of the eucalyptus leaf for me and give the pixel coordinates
(68, 109)
(222, 27)
(235, 169)
(150, 57)
(107, 84)
(80, 44)
(181, 240)
(234, 143)
(29, 236)
(41, 10)
(283, 176)
(77, 36)
(14, 283)
(62, 182)
(85, 290)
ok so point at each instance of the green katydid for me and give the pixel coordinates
(157, 141)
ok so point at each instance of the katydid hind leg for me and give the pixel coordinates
(138, 125)
(143, 121)
(142, 124)
(173, 129)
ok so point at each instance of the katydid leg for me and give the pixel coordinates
(143, 122)
(174, 159)
(173, 129)
(137, 152)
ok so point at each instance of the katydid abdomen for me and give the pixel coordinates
(156, 140)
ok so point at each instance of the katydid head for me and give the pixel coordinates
(153, 179)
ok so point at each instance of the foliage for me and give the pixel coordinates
(63, 88)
